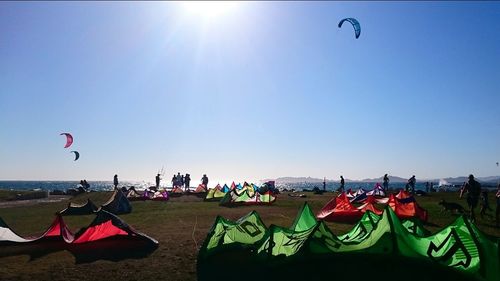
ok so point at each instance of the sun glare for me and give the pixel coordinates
(209, 10)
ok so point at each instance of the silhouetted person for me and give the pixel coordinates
(174, 181)
(179, 179)
(324, 184)
(86, 185)
(342, 184)
(81, 187)
(115, 181)
(204, 181)
(187, 181)
(386, 183)
(473, 189)
(410, 186)
(182, 181)
(157, 179)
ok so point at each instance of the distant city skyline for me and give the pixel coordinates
(249, 91)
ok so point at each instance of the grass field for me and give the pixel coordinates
(180, 225)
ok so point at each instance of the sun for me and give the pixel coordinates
(209, 10)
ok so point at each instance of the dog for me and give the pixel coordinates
(450, 206)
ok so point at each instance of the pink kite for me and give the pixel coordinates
(69, 139)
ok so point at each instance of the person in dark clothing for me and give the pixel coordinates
(410, 186)
(157, 180)
(324, 184)
(342, 184)
(115, 181)
(81, 187)
(473, 189)
(187, 181)
(174, 181)
(204, 181)
(386, 183)
(179, 179)
(86, 185)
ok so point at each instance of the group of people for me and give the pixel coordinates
(84, 186)
(181, 181)
(475, 195)
(184, 181)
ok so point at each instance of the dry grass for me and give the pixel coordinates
(179, 225)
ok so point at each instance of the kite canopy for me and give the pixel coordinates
(79, 209)
(77, 155)
(355, 25)
(69, 139)
(309, 248)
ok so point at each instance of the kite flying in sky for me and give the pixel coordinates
(69, 139)
(77, 155)
(355, 25)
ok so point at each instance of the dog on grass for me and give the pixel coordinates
(451, 206)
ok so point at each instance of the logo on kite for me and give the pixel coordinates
(355, 25)
(77, 155)
(451, 249)
(69, 139)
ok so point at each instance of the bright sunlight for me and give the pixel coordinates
(209, 10)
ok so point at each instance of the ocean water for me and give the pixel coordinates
(332, 186)
(64, 185)
(108, 185)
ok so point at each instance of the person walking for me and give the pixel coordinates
(115, 181)
(386, 183)
(473, 189)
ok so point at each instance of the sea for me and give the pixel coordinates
(108, 185)
(65, 185)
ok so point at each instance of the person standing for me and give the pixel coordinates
(324, 184)
(178, 179)
(473, 189)
(410, 186)
(386, 183)
(174, 181)
(342, 184)
(187, 181)
(204, 181)
(115, 181)
(182, 181)
(157, 180)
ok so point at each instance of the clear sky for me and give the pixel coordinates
(260, 90)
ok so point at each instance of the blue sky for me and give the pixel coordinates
(262, 91)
